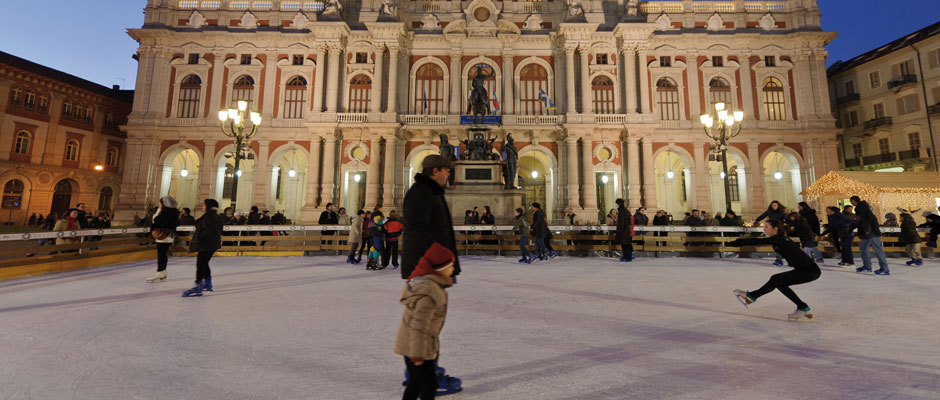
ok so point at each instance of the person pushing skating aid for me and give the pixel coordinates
(804, 269)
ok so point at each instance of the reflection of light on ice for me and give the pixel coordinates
(572, 327)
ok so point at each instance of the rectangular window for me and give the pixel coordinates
(733, 184)
(857, 150)
(362, 58)
(884, 146)
(601, 59)
(665, 61)
(298, 60)
(913, 140)
(852, 119)
(908, 104)
(849, 87)
(718, 61)
(194, 59)
(934, 59)
(770, 61)
(879, 110)
(246, 59)
(874, 79)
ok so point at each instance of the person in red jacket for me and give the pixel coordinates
(393, 228)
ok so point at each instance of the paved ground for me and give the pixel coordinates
(312, 328)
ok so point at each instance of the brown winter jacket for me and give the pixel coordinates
(425, 302)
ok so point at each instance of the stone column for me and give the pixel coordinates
(313, 175)
(587, 106)
(804, 86)
(207, 172)
(218, 73)
(507, 103)
(695, 102)
(142, 89)
(569, 78)
(388, 185)
(329, 168)
(589, 179)
(747, 95)
(270, 75)
(376, 106)
(649, 175)
(372, 179)
(572, 153)
(633, 169)
(629, 79)
(755, 178)
(393, 79)
(161, 84)
(700, 176)
(332, 84)
(455, 79)
(318, 80)
(820, 84)
(830, 155)
(644, 83)
(262, 178)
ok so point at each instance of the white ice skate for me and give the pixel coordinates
(742, 297)
(800, 314)
(160, 276)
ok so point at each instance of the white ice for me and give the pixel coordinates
(570, 328)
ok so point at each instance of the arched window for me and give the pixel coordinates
(13, 194)
(429, 90)
(89, 114)
(668, 96)
(43, 107)
(720, 92)
(22, 143)
(774, 101)
(71, 150)
(489, 83)
(111, 159)
(243, 90)
(603, 90)
(78, 111)
(295, 98)
(29, 100)
(16, 96)
(533, 82)
(190, 91)
(67, 109)
(733, 184)
(360, 90)
(104, 198)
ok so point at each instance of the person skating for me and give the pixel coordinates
(840, 230)
(424, 298)
(206, 240)
(393, 229)
(624, 233)
(869, 235)
(804, 269)
(800, 228)
(539, 231)
(163, 231)
(933, 222)
(377, 235)
(521, 227)
(355, 236)
(911, 239)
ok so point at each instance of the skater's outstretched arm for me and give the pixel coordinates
(761, 241)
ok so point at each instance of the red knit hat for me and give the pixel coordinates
(435, 260)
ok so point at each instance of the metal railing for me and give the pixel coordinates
(851, 97)
(934, 109)
(880, 158)
(876, 122)
(853, 162)
(901, 81)
(911, 154)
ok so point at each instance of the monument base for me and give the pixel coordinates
(502, 202)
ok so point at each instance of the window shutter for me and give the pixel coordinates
(915, 106)
(901, 109)
(934, 59)
(895, 70)
(936, 95)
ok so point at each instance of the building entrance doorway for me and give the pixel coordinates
(62, 197)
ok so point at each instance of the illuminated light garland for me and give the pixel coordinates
(836, 183)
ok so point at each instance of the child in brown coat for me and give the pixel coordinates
(425, 301)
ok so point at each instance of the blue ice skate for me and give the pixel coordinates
(911, 262)
(195, 291)
(446, 384)
(778, 263)
(919, 262)
(526, 259)
(625, 259)
(863, 269)
(882, 271)
(553, 254)
(207, 284)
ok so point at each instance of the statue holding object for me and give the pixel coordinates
(511, 167)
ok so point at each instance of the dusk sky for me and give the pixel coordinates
(88, 38)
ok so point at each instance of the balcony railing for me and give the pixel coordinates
(611, 119)
(352, 118)
(656, 7)
(911, 154)
(902, 80)
(423, 119)
(848, 98)
(874, 123)
(934, 109)
(853, 162)
(880, 158)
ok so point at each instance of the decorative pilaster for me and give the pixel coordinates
(755, 177)
(587, 106)
(218, 67)
(746, 86)
(695, 102)
(206, 173)
(262, 176)
(573, 192)
(393, 61)
(633, 169)
(372, 178)
(161, 83)
(332, 84)
(270, 75)
(377, 82)
(649, 174)
(804, 83)
(388, 186)
(569, 78)
(700, 175)
(646, 108)
(589, 179)
(329, 169)
(318, 91)
(820, 83)
(313, 175)
(455, 74)
(143, 88)
(629, 79)
(507, 103)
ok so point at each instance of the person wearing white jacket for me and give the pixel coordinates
(355, 236)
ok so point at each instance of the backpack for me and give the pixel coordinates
(393, 229)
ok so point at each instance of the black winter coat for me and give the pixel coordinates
(660, 220)
(208, 235)
(624, 225)
(866, 221)
(187, 220)
(777, 215)
(802, 230)
(640, 219)
(812, 220)
(539, 226)
(428, 221)
(909, 233)
(169, 218)
(839, 225)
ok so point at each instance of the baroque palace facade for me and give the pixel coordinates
(602, 97)
(61, 141)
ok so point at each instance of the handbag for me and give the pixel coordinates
(160, 233)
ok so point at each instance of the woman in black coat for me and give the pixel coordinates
(206, 240)
(166, 219)
(624, 234)
(804, 269)
(539, 230)
(911, 239)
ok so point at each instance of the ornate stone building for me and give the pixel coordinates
(602, 97)
(888, 104)
(60, 141)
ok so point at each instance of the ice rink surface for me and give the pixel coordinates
(570, 328)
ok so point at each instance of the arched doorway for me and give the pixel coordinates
(414, 167)
(608, 190)
(736, 183)
(673, 180)
(288, 180)
(62, 196)
(533, 179)
(181, 177)
(225, 180)
(782, 180)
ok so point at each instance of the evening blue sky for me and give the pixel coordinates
(88, 38)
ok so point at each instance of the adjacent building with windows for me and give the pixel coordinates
(602, 97)
(61, 141)
(887, 102)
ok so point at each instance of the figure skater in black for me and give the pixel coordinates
(804, 268)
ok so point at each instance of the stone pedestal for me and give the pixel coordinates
(478, 184)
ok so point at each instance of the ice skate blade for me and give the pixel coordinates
(156, 280)
(740, 298)
(798, 319)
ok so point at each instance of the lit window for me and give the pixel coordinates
(668, 99)
(22, 143)
(720, 92)
(774, 100)
(244, 88)
(295, 98)
(29, 100)
(533, 82)
(360, 92)
(190, 92)
(43, 107)
(67, 109)
(71, 150)
(13, 194)
(602, 88)
(16, 96)
(111, 159)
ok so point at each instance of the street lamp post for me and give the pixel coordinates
(236, 130)
(722, 133)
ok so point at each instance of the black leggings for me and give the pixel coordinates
(364, 246)
(202, 265)
(162, 250)
(783, 281)
(422, 380)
